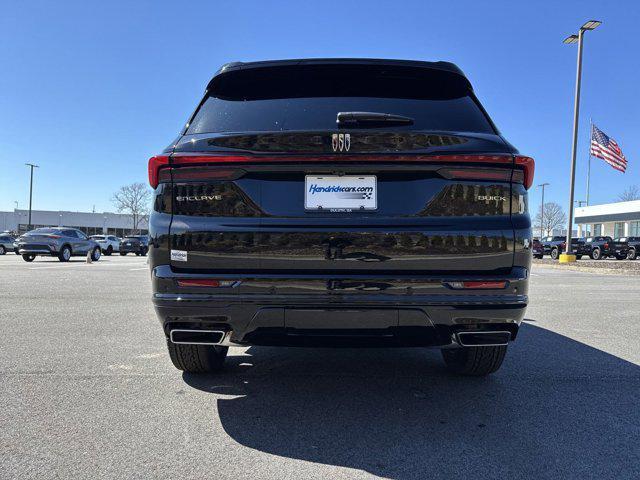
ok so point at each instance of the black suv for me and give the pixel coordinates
(626, 247)
(340, 203)
(596, 247)
(138, 244)
(553, 246)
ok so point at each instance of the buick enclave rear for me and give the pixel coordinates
(356, 203)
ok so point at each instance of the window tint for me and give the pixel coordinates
(309, 98)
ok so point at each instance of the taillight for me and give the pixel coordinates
(606, 245)
(528, 166)
(53, 236)
(155, 164)
(525, 163)
(476, 285)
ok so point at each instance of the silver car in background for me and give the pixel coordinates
(61, 242)
(6, 243)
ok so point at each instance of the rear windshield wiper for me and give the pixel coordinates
(371, 119)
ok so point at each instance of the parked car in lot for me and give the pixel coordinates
(108, 243)
(596, 247)
(305, 204)
(553, 245)
(58, 242)
(6, 243)
(626, 247)
(537, 249)
(138, 244)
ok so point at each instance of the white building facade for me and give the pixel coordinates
(91, 223)
(621, 219)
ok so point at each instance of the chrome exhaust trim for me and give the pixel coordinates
(183, 336)
(483, 339)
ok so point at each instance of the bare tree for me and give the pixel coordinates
(554, 217)
(134, 200)
(629, 193)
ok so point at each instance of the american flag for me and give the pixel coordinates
(607, 149)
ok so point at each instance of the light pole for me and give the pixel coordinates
(542, 209)
(590, 25)
(31, 190)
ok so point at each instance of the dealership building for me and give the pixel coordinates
(621, 219)
(91, 223)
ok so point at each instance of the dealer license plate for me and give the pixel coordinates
(344, 193)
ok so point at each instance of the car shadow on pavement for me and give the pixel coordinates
(557, 409)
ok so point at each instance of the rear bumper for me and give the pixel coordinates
(36, 250)
(320, 311)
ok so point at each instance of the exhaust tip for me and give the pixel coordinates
(483, 339)
(196, 337)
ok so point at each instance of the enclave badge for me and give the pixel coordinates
(341, 142)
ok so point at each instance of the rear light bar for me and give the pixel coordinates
(499, 175)
(162, 161)
(476, 285)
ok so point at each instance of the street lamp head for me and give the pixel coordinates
(591, 25)
(571, 39)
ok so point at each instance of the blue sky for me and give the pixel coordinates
(91, 90)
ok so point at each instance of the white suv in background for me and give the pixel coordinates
(108, 243)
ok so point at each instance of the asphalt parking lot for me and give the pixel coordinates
(87, 391)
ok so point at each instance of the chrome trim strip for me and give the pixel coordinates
(460, 342)
(222, 338)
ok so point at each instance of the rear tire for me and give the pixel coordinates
(65, 254)
(95, 255)
(631, 254)
(474, 361)
(578, 257)
(537, 256)
(28, 257)
(596, 254)
(197, 358)
(554, 254)
(123, 253)
(2, 250)
(109, 251)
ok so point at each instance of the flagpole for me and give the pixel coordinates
(589, 165)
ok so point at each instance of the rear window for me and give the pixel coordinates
(43, 231)
(309, 98)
